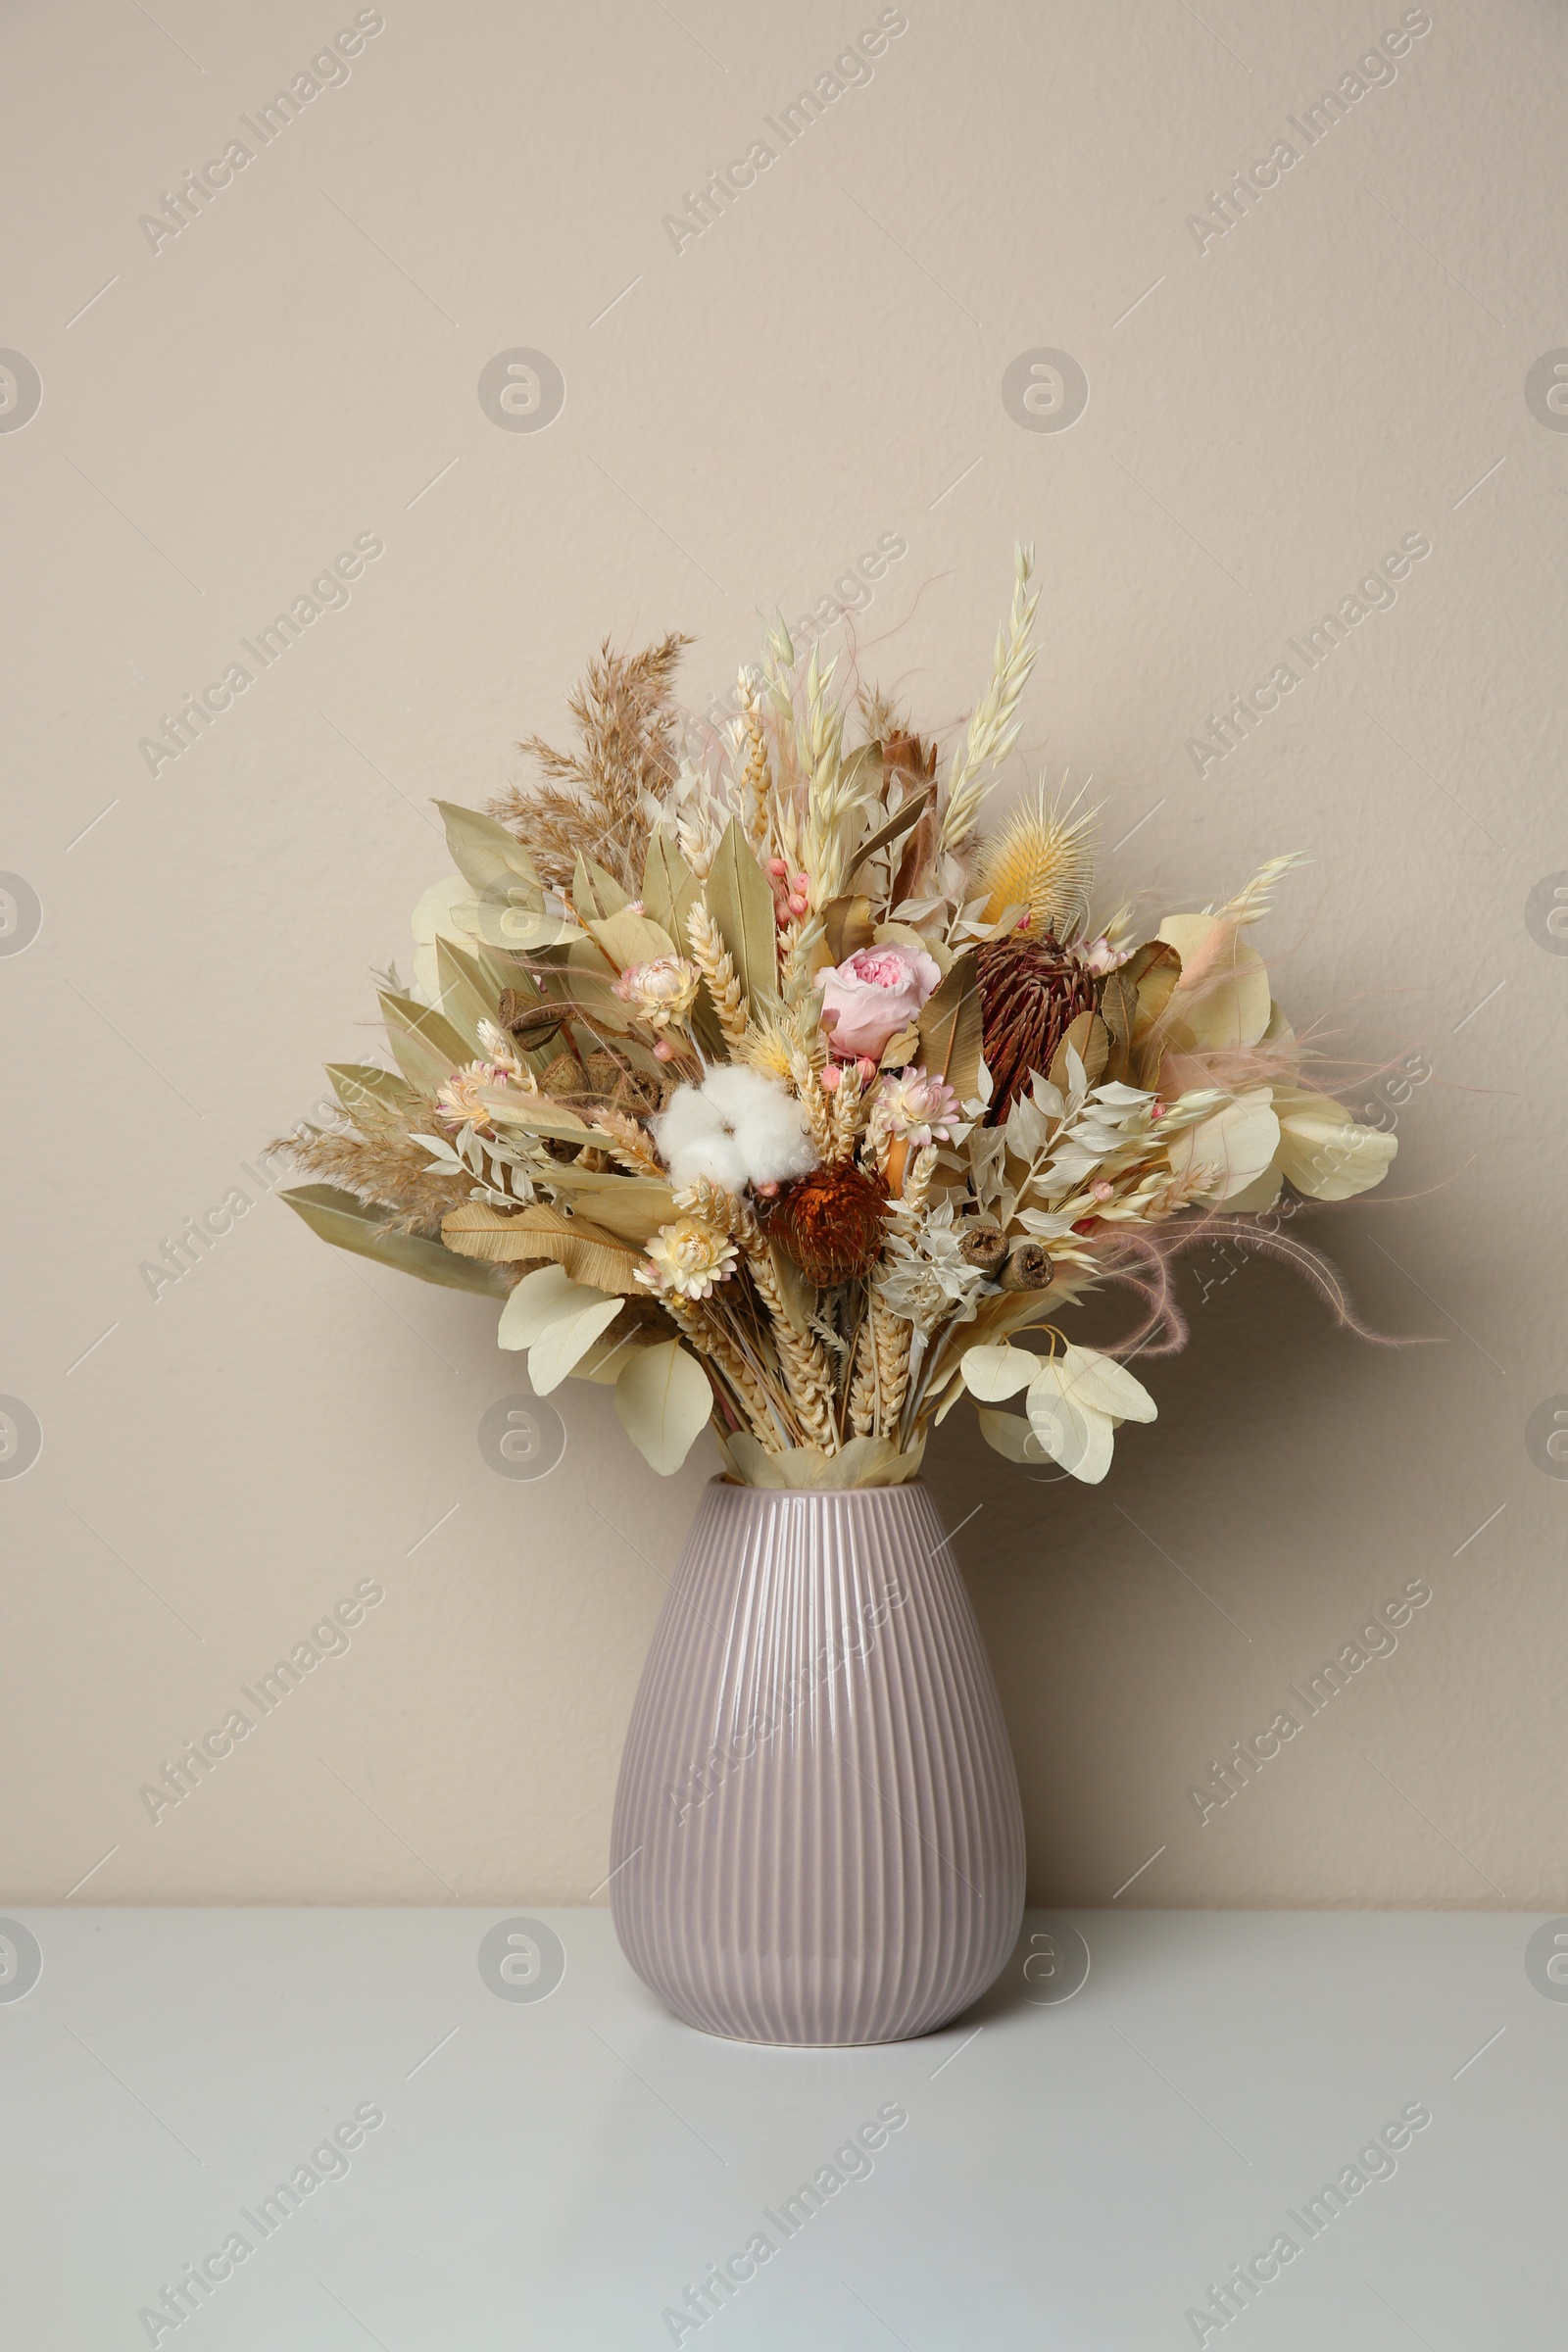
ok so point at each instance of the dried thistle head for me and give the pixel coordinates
(831, 1222)
(1044, 859)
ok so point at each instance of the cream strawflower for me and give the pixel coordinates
(688, 1257)
(662, 991)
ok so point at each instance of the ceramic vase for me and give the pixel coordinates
(818, 1838)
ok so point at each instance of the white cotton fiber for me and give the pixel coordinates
(737, 1128)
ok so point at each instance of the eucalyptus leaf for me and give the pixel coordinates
(535, 1302)
(628, 939)
(993, 1373)
(566, 1338)
(513, 924)
(665, 1403)
(1009, 1435)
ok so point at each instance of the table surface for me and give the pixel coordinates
(562, 2164)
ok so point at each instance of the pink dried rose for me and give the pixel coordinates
(917, 1109)
(874, 993)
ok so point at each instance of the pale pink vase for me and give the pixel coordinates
(818, 1838)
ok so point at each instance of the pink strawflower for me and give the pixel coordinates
(917, 1109)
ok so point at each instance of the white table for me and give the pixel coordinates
(562, 2171)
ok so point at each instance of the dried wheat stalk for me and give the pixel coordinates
(804, 1360)
(808, 1086)
(633, 1146)
(890, 1346)
(707, 1336)
(717, 967)
(862, 1388)
(847, 1111)
(753, 777)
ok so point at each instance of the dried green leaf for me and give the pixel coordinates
(492, 861)
(914, 809)
(848, 926)
(357, 1082)
(669, 887)
(349, 1223)
(950, 1028)
(427, 1048)
(741, 902)
(596, 894)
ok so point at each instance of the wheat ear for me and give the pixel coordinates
(849, 1111)
(754, 778)
(633, 1146)
(717, 967)
(804, 1360)
(863, 1391)
(807, 1380)
(890, 1346)
(918, 1181)
(709, 1339)
(808, 1086)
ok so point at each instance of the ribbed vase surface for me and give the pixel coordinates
(818, 1838)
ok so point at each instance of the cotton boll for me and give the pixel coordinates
(770, 1125)
(737, 1128)
(694, 1142)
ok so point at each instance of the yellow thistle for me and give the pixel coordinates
(1044, 859)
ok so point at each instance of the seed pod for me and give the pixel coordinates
(1028, 1268)
(532, 1024)
(984, 1247)
(565, 1075)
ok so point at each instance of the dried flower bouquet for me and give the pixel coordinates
(765, 1086)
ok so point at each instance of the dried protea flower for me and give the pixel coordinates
(1031, 992)
(831, 1223)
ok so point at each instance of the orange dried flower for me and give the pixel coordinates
(831, 1223)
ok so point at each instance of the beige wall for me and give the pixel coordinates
(821, 368)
